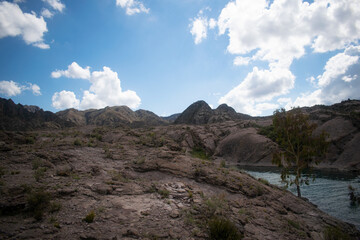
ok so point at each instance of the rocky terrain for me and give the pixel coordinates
(118, 174)
(142, 183)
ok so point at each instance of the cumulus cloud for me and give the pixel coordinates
(278, 32)
(258, 87)
(11, 88)
(47, 13)
(281, 30)
(105, 90)
(132, 6)
(73, 71)
(55, 4)
(199, 27)
(339, 81)
(65, 99)
(35, 89)
(14, 22)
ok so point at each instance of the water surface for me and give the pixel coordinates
(329, 191)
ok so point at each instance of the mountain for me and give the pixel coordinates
(171, 118)
(112, 116)
(17, 117)
(201, 113)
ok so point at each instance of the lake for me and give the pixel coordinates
(329, 191)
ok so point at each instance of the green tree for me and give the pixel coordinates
(299, 148)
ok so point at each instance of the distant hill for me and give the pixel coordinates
(18, 117)
(201, 113)
(112, 116)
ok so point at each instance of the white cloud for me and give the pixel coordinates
(11, 88)
(64, 100)
(212, 23)
(199, 29)
(47, 13)
(73, 71)
(55, 4)
(132, 6)
(13, 22)
(336, 66)
(35, 89)
(105, 90)
(278, 32)
(19, 1)
(239, 61)
(339, 81)
(281, 30)
(258, 87)
(199, 26)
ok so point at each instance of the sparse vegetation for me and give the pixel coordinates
(164, 193)
(222, 229)
(222, 163)
(335, 233)
(39, 173)
(198, 152)
(37, 202)
(89, 218)
(54, 207)
(264, 181)
(77, 142)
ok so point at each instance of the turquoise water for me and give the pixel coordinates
(329, 191)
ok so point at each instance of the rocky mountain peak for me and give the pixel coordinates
(197, 113)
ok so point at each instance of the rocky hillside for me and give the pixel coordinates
(112, 117)
(141, 183)
(241, 143)
(18, 117)
(201, 113)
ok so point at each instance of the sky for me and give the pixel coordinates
(162, 55)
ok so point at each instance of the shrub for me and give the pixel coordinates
(163, 193)
(222, 229)
(29, 140)
(54, 207)
(198, 152)
(77, 142)
(222, 163)
(38, 202)
(90, 217)
(39, 173)
(335, 233)
(264, 181)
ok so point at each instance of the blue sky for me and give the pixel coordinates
(163, 55)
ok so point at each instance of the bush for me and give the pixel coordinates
(268, 132)
(38, 202)
(39, 173)
(198, 152)
(264, 181)
(77, 142)
(90, 217)
(222, 163)
(164, 193)
(335, 233)
(223, 229)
